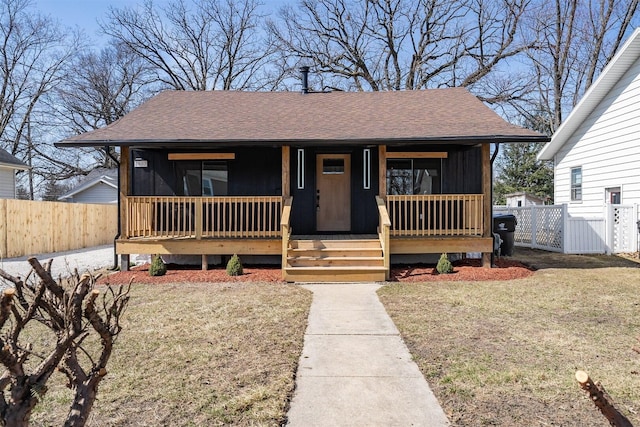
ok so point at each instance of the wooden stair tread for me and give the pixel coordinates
(338, 268)
(335, 258)
(333, 249)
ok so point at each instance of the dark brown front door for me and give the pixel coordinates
(333, 193)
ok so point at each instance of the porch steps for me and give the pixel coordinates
(328, 260)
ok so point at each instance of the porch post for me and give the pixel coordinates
(125, 170)
(486, 190)
(382, 171)
(286, 171)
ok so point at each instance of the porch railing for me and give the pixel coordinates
(202, 217)
(436, 215)
(383, 233)
(285, 226)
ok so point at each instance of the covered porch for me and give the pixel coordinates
(261, 225)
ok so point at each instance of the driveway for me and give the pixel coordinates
(85, 260)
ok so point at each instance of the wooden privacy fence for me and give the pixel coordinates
(32, 227)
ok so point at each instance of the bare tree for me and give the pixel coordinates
(577, 40)
(34, 53)
(82, 327)
(195, 45)
(105, 86)
(404, 44)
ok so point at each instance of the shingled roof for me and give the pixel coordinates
(6, 159)
(224, 117)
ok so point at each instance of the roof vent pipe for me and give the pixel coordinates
(304, 72)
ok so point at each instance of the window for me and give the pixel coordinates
(366, 169)
(413, 176)
(205, 178)
(332, 166)
(300, 169)
(576, 184)
(215, 178)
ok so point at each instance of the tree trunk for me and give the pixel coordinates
(19, 412)
(82, 404)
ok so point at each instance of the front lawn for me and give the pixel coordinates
(198, 354)
(505, 352)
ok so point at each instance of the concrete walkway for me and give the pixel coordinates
(355, 370)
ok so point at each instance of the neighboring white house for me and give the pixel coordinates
(596, 150)
(9, 166)
(522, 199)
(99, 186)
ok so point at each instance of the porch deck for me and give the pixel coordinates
(261, 226)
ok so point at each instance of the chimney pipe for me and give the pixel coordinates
(304, 71)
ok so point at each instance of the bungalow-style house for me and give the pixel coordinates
(596, 152)
(99, 186)
(9, 166)
(333, 183)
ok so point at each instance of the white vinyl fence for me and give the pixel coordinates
(551, 228)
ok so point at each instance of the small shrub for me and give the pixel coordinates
(444, 265)
(234, 266)
(157, 267)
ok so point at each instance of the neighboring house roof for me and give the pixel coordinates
(612, 73)
(195, 118)
(11, 161)
(95, 177)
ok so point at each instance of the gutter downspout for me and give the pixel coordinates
(115, 255)
(493, 157)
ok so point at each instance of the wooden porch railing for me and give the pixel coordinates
(436, 215)
(198, 217)
(383, 233)
(285, 226)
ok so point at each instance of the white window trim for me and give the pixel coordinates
(300, 177)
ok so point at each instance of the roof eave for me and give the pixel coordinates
(465, 139)
(87, 186)
(15, 166)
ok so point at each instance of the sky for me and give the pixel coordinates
(84, 14)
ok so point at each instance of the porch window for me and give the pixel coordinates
(206, 178)
(413, 176)
(576, 184)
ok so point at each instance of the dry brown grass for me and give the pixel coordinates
(198, 354)
(505, 353)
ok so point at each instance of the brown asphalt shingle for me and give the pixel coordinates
(223, 116)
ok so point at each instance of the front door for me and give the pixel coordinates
(333, 192)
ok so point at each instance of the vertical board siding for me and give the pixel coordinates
(32, 227)
(606, 147)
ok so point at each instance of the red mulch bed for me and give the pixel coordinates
(464, 270)
(190, 274)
